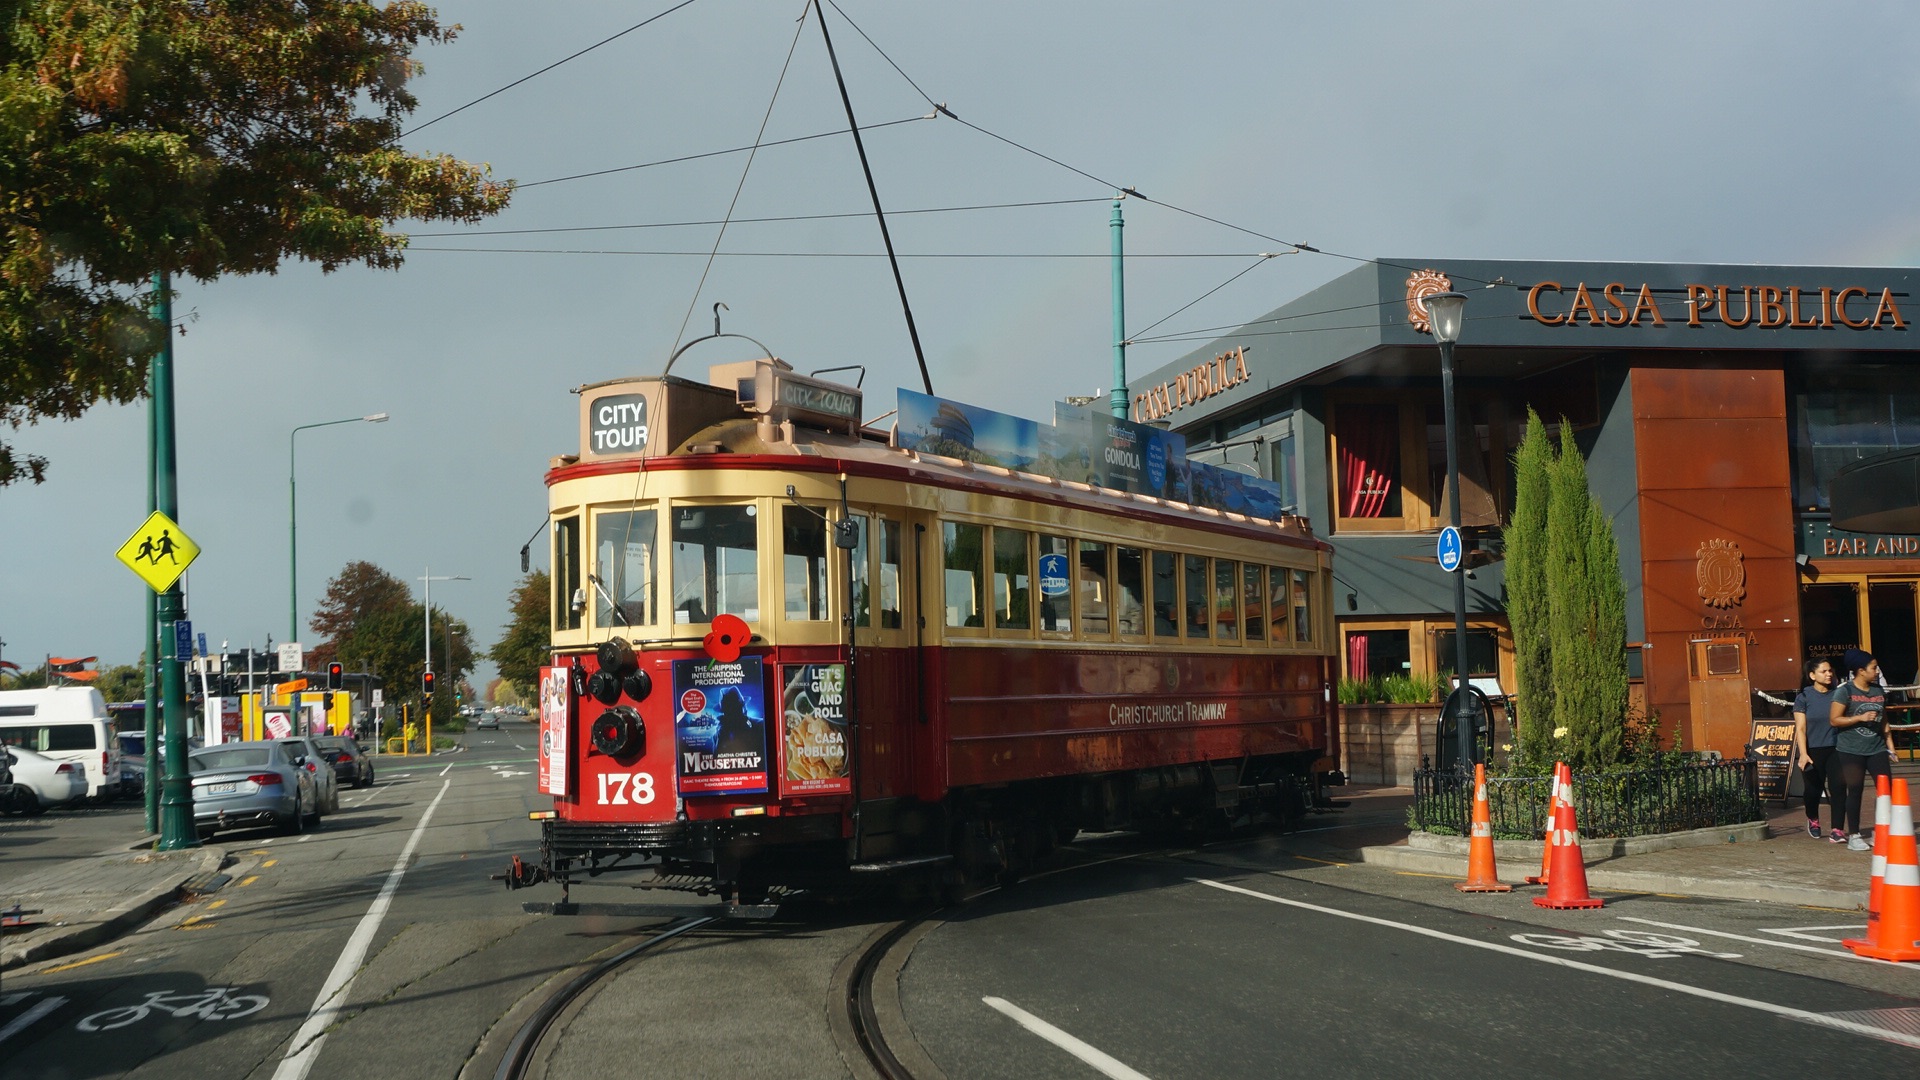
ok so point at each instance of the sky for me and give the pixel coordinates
(1716, 132)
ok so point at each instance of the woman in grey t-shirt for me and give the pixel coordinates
(1859, 717)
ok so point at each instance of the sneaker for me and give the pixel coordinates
(1837, 837)
(1813, 828)
(1858, 843)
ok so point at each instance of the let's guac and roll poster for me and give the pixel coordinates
(813, 747)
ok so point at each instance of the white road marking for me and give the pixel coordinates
(15, 998)
(1854, 930)
(31, 1017)
(305, 1049)
(1104, 1063)
(304, 837)
(446, 770)
(505, 773)
(1822, 1020)
(1839, 954)
(520, 748)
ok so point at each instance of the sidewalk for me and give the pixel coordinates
(1773, 861)
(85, 901)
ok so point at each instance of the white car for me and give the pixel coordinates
(35, 782)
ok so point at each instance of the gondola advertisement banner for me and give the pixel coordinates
(720, 726)
(814, 758)
(551, 767)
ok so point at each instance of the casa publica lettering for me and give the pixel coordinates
(618, 424)
(1223, 372)
(1736, 307)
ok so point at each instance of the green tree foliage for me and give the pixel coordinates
(1527, 608)
(524, 648)
(202, 138)
(376, 626)
(122, 682)
(1587, 615)
(360, 591)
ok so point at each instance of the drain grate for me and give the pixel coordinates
(202, 884)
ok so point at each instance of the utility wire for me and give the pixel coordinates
(853, 254)
(714, 153)
(756, 220)
(1184, 334)
(546, 69)
(1261, 261)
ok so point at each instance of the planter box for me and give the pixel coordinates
(1382, 744)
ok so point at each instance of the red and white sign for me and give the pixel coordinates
(693, 702)
(278, 726)
(554, 721)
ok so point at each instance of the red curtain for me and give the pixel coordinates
(1356, 656)
(1369, 437)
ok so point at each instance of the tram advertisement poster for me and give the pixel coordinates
(813, 730)
(720, 726)
(551, 767)
(1772, 748)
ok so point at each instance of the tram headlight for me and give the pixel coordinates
(604, 687)
(616, 655)
(619, 732)
(638, 685)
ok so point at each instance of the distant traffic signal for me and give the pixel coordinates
(426, 684)
(333, 675)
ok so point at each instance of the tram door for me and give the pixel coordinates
(886, 695)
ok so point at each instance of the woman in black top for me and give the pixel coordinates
(1813, 736)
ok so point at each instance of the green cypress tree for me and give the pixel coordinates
(1608, 741)
(1587, 614)
(1527, 607)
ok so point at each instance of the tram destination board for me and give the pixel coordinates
(1771, 745)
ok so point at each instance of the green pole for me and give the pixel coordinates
(150, 656)
(1117, 228)
(176, 797)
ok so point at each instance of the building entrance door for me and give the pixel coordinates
(1891, 626)
(1878, 614)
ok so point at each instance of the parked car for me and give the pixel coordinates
(133, 759)
(241, 784)
(65, 723)
(302, 749)
(33, 782)
(351, 765)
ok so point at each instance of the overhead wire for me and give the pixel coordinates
(760, 220)
(718, 153)
(549, 67)
(851, 254)
(1265, 256)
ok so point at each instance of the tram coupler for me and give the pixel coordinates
(521, 875)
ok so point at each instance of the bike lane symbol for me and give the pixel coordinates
(213, 1003)
(1637, 942)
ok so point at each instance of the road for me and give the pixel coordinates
(378, 947)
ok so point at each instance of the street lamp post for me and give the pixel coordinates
(1444, 314)
(293, 519)
(427, 620)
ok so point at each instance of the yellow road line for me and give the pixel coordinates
(1322, 862)
(215, 904)
(201, 926)
(268, 863)
(1410, 873)
(189, 921)
(80, 963)
(248, 881)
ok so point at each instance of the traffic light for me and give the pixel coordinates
(333, 675)
(426, 684)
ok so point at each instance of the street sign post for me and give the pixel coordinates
(292, 657)
(159, 551)
(1449, 550)
(183, 639)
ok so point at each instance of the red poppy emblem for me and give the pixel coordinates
(729, 634)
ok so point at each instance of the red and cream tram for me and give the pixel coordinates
(785, 650)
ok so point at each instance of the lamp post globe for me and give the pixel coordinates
(1445, 313)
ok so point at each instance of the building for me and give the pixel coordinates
(1714, 405)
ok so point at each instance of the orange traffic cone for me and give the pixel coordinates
(1899, 925)
(1553, 814)
(1567, 884)
(1482, 875)
(1882, 811)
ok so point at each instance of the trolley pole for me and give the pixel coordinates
(176, 797)
(1116, 227)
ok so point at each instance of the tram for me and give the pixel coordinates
(788, 650)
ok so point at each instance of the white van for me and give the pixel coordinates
(66, 723)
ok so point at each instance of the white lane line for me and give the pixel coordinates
(1838, 954)
(31, 1017)
(1855, 930)
(305, 1048)
(304, 837)
(520, 748)
(1868, 1030)
(1105, 1064)
(446, 770)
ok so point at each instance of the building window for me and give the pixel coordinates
(1377, 654)
(1835, 427)
(1483, 656)
(1286, 465)
(1368, 467)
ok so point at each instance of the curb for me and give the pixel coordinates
(1639, 881)
(113, 922)
(1592, 848)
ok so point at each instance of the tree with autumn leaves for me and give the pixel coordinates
(370, 622)
(197, 139)
(524, 647)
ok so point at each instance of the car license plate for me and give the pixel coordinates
(221, 789)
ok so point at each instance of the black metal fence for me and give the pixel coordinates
(1641, 803)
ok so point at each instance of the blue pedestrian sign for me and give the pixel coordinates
(1449, 549)
(1053, 575)
(182, 640)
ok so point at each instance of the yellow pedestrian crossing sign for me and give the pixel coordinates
(159, 551)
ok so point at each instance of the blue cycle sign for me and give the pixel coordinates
(1053, 575)
(1449, 549)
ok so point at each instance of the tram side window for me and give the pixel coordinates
(862, 574)
(1198, 594)
(803, 563)
(1302, 606)
(1226, 591)
(1130, 591)
(569, 602)
(1094, 592)
(1056, 585)
(963, 574)
(1250, 606)
(1279, 609)
(716, 563)
(1012, 580)
(889, 574)
(1166, 594)
(624, 561)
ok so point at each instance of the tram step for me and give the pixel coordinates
(889, 866)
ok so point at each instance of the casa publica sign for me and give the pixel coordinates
(1222, 373)
(1736, 307)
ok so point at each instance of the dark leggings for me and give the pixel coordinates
(1817, 779)
(1852, 770)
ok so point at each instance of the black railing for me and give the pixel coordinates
(1641, 803)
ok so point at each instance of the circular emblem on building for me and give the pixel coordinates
(1722, 571)
(1420, 285)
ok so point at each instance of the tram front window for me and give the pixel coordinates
(803, 556)
(716, 563)
(623, 561)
